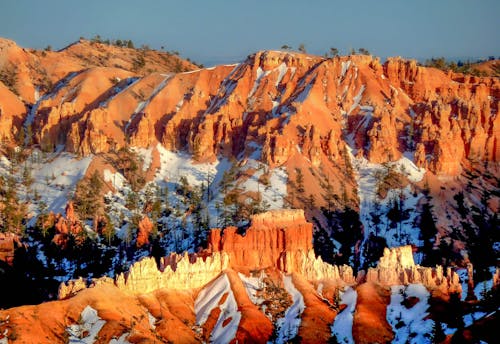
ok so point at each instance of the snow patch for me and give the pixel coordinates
(345, 67)
(252, 286)
(484, 286)
(89, 324)
(116, 179)
(275, 192)
(121, 340)
(54, 178)
(282, 69)
(410, 325)
(175, 165)
(208, 299)
(342, 325)
(152, 321)
(147, 156)
(288, 326)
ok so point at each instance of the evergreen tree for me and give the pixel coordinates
(428, 231)
(109, 229)
(87, 196)
(334, 52)
(299, 180)
(437, 334)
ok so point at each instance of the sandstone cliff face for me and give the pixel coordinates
(397, 267)
(8, 243)
(37, 77)
(279, 240)
(276, 104)
(285, 103)
(12, 112)
(269, 237)
(177, 272)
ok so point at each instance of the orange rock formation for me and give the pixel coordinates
(397, 267)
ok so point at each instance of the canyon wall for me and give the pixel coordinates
(275, 104)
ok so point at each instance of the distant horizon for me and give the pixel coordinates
(218, 60)
(218, 32)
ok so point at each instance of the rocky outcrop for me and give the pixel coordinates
(145, 227)
(176, 272)
(268, 238)
(277, 239)
(280, 240)
(71, 288)
(397, 267)
(66, 225)
(276, 103)
(8, 244)
(12, 112)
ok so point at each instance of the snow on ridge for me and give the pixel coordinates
(282, 68)
(307, 89)
(260, 74)
(357, 99)
(288, 326)
(252, 285)
(208, 299)
(157, 89)
(345, 67)
(90, 323)
(129, 82)
(342, 325)
(34, 109)
(410, 324)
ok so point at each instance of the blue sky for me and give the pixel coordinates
(213, 31)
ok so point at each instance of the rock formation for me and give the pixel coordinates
(283, 239)
(71, 288)
(267, 100)
(8, 244)
(66, 225)
(263, 244)
(145, 228)
(279, 240)
(397, 267)
(176, 272)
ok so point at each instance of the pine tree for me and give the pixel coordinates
(311, 201)
(428, 231)
(334, 52)
(109, 229)
(437, 334)
(299, 180)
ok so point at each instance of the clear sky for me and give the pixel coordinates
(213, 31)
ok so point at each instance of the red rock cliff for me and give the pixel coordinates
(265, 242)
